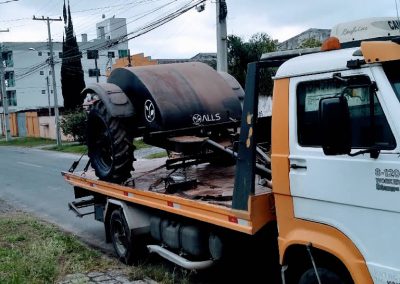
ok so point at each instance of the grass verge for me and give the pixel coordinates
(32, 251)
(27, 142)
(69, 148)
(160, 273)
(157, 155)
(82, 149)
(139, 144)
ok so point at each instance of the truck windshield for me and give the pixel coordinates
(392, 73)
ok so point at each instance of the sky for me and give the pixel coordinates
(192, 32)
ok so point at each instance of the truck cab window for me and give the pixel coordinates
(392, 73)
(368, 129)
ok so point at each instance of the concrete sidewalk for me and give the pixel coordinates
(108, 277)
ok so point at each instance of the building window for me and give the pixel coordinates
(49, 72)
(43, 92)
(122, 53)
(12, 98)
(111, 54)
(39, 53)
(366, 132)
(51, 91)
(60, 54)
(94, 72)
(101, 33)
(92, 54)
(8, 58)
(41, 72)
(9, 79)
(48, 53)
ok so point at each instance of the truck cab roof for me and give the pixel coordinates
(382, 32)
(320, 62)
(336, 60)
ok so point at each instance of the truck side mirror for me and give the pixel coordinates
(334, 117)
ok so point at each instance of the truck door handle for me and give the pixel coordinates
(295, 166)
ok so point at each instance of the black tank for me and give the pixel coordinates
(182, 95)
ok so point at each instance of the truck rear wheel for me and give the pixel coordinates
(326, 276)
(121, 237)
(110, 146)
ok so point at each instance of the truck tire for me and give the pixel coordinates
(121, 237)
(326, 276)
(110, 147)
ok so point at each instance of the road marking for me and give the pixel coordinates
(29, 164)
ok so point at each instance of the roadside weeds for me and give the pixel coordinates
(34, 251)
(67, 147)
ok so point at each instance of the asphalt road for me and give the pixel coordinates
(30, 179)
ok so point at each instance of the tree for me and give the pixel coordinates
(310, 42)
(240, 53)
(238, 57)
(74, 124)
(72, 81)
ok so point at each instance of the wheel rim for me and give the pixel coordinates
(120, 237)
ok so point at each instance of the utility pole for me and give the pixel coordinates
(97, 69)
(58, 133)
(129, 58)
(48, 93)
(222, 52)
(4, 98)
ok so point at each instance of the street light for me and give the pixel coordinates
(200, 8)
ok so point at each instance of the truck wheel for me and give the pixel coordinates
(326, 276)
(110, 146)
(121, 236)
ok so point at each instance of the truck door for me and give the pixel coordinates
(358, 195)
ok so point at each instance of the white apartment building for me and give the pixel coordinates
(28, 75)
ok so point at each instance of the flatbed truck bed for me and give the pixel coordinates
(209, 201)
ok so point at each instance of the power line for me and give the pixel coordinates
(112, 6)
(147, 27)
(137, 17)
(163, 20)
(15, 20)
(8, 1)
(138, 32)
(30, 72)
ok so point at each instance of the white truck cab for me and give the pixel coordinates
(346, 175)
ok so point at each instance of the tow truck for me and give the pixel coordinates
(317, 184)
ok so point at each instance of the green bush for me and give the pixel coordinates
(74, 123)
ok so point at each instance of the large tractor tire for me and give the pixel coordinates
(110, 147)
